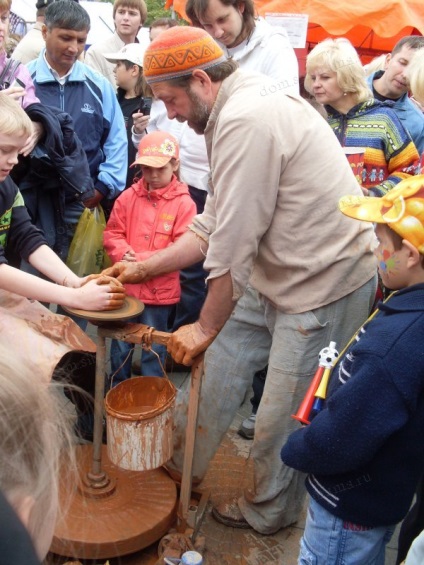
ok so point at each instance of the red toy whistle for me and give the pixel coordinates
(317, 388)
(305, 408)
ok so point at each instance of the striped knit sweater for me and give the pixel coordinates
(390, 154)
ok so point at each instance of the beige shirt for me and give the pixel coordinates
(272, 218)
(94, 56)
(30, 46)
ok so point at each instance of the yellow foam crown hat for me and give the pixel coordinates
(402, 209)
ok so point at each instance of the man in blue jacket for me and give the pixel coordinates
(64, 82)
(392, 85)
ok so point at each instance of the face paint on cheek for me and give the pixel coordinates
(387, 261)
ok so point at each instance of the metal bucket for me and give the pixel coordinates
(140, 419)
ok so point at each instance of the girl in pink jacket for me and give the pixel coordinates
(149, 216)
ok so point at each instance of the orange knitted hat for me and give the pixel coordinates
(177, 51)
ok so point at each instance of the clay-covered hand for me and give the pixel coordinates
(101, 278)
(188, 342)
(96, 296)
(128, 272)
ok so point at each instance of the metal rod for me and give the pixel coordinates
(98, 404)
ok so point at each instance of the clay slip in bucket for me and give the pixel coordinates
(140, 418)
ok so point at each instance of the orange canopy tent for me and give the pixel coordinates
(373, 26)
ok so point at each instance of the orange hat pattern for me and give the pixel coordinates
(178, 51)
(402, 209)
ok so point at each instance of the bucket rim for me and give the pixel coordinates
(137, 417)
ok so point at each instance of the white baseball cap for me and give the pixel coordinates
(132, 52)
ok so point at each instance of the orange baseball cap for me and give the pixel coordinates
(156, 149)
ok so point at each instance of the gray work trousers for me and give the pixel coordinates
(256, 334)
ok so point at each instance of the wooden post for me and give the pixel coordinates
(193, 408)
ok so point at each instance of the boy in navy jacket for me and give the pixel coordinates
(364, 452)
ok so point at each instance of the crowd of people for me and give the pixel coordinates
(231, 208)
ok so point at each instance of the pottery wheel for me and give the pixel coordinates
(137, 512)
(130, 308)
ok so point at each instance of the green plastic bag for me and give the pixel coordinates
(86, 253)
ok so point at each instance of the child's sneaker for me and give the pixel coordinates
(247, 428)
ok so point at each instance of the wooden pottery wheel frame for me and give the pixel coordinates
(110, 511)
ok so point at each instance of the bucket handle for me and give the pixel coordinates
(147, 344)
(143, 335)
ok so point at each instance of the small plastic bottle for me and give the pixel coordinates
(191, 558)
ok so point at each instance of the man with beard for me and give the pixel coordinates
(270, 224)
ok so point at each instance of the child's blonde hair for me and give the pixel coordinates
(415, 72)
(34, 434)
(13, 119)
(5, 5)
(339, 56)
(377, 64)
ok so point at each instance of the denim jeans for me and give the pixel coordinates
(328, 540)
(255, 332)
(121, 352)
